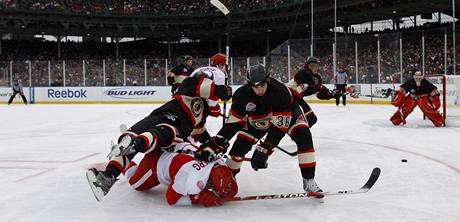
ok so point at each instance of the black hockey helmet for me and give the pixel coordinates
(312, 59)
(188, 57)
(257, 75)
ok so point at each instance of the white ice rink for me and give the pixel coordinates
(45, 150)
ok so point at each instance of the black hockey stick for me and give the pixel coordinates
(287, 152)
(364, 189)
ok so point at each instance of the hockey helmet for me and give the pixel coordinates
(188, 57)
(257, 75)
(312, 59)
(223, 182)
(218, 58)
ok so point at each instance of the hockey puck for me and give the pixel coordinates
(403, 160)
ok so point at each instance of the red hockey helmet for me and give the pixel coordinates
(223, 182)
(218, 58)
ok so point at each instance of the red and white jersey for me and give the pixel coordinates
(187, 175)
(214, 73)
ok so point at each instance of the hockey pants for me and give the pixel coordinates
(298, 131)
(425, 105)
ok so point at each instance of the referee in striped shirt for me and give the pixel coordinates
(341, 79)
(17, 88)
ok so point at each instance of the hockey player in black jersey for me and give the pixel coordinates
(306, 82)
(263, 106)
(179, 73)
(183, 116)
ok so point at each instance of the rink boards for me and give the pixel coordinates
(367, 94)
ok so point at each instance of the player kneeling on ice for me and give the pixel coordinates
(189, 180)
(417, 91)
(185, 115)
(263, 106)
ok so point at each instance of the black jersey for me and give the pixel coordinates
(271, 112)
(425, 87)
(305, 83)
(188, 109)
(179, 73)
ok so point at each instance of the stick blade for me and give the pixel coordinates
(372, 179)
(220, 6)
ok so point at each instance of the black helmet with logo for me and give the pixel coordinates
(257, 75)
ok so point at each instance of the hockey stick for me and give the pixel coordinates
(226, 12)
(287, 152)
(364, 189)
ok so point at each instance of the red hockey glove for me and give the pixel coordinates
(260, 156)
(206, 198)
(214, 111)
(210, 148)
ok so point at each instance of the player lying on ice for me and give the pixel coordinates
(189, 181)
(417, 92)
(185, 115)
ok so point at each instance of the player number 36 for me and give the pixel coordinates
(283, 121)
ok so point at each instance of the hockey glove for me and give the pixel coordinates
(260, 156)
(324, 93)
(214, 111)
(208, 150)
(223, 92)
(206, 198)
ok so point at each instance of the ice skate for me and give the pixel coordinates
(125, 147)
(99, 182)
(309, 185)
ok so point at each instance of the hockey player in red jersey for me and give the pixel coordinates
(263, 106)
(185, 115)
(189, 180)
(417, 92)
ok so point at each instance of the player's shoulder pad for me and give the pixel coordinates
(279, 88)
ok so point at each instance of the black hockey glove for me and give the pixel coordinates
(208, 150)
(324, 93)
(260, 156)
(224, 92)
(336, 93)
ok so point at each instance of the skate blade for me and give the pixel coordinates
(98, 193)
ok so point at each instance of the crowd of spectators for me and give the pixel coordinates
(87, 63)
(141, 7)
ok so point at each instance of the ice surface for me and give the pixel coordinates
(45, 150)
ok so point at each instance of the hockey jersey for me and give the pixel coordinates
(214, 73)
(425, 87)
(179, 73)
(305, 83)
(271, 112)
(183, 174)
(188, 108)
